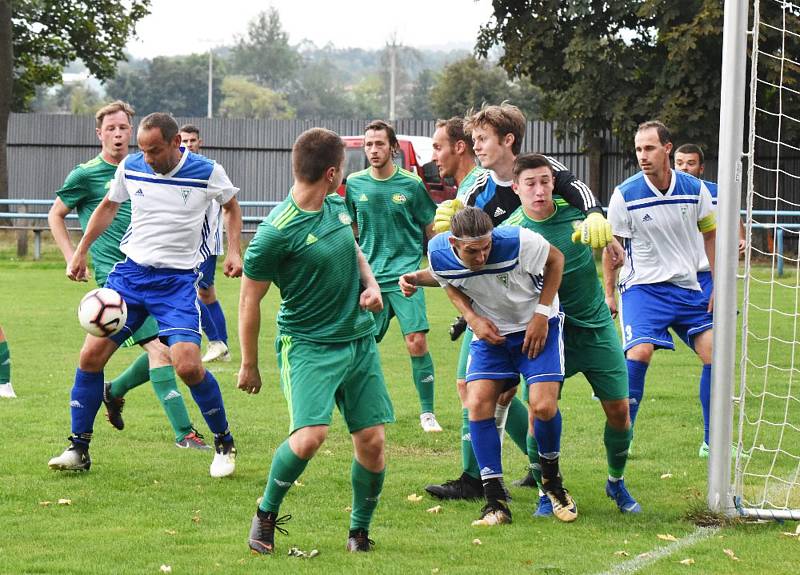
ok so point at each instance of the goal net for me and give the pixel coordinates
(767, 468)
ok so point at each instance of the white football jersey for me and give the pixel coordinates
(506, 289)
(169, 212)
(659, 229)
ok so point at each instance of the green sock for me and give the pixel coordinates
(171, 400)
(137, 373)
(285, 469)
(468, 462)
(617, 443)
(5, 362)
(367, 487)
(517, 424)
(422, 371)
(533, 459)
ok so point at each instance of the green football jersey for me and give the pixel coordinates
(312, 258)
(83, 190)
(391, 216)
(580, 294)
(468, 181)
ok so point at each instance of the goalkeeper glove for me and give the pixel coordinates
(444, 213)
(594, 231)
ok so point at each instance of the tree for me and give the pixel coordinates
(178, 85)
(318, 92)
(39, 37)
(242, 98)
(264, 54)
(468, 83)
(368, 98)
(77, 98)
(419, 102)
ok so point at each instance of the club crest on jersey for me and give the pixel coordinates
(503, 278)
(684, 209)
(398, 198)
(185, 194)
(345, 219)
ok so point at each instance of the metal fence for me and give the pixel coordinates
(42, 149)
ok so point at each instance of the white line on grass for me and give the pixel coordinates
(646, 559)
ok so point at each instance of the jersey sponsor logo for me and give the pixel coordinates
(139, 192)
(345, 219)
(363, 198)
(503, 278)
(185, 194)
(310, 239)
(499, 212)
(647, 218)
(399, 198)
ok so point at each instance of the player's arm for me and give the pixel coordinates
(420, 278)
(232, 214)
(57, 220)
(370, 298)
(250, 296)
(742, 237)
(101, 218)
(610, 272)
(707, 224)
(481, 326)
(536, 331)
(595, 229)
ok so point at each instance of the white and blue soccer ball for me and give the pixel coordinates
(102, 312)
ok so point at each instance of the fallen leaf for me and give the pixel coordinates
(687, 562)
(297, 552)
(625, 541)
(196, 518)
(644, 555)
(435, 509)
(789, 534)
(65, 501)
(45, 503)
(414, 498)
(258, 501)
(435, 570)
(328, 452)
(622, 553)
(170, 531)
(299, 484)
(666, 537)
(166, 569)
(155, 481)
(666, 476)
(731, 554)
(348, 509)
(477, 542)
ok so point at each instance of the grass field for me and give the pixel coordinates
(145, 503)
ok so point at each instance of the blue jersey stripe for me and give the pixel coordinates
(680, 200)
(167, 181)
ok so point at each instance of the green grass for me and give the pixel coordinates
(146, 503)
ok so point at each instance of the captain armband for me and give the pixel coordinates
(708, 223)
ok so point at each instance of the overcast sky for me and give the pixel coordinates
(186, 26)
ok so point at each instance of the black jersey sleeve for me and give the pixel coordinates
(573, 190)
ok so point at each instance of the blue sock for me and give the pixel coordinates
(218, 317)
(209, 399)
(548, 435)
(486, 445)
(85, 400)
(207, 322)
(705, 397)
(636, 373)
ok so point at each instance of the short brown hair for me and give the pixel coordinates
(190, 129)
(470, 222)
(664, 136)
(692, 149)
(113, 108)
(314, 151)
(504, 119)
(165, 123)
(380, 125)
(454, 128)
(530, 162)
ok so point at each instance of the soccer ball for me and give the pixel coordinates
(102, 312)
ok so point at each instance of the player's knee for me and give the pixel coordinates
(417, 344)
(94, 354)
(642, 352)
(369, 445)
(306, 441)
(617, 414)
(191, 372)
(207, 295)
(543, 409)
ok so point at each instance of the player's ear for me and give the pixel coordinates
(461, 146)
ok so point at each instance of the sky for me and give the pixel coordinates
(177, 27)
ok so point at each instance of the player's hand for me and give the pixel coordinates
(485, 329)
(444, 213)
(535, 335)
(594, 231)
(371, 300)
(742, 246)
(249, 379)
(611, 302)
(76, 268)
(232, 267)
(710, 308)
(407, 285)
(616, 254)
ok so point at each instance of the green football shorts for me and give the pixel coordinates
(597, 353)
(148, 331)
(316, 375)
(410, 313)
(463, 354)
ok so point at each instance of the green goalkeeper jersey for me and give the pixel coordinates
(580, 294)
(468, 181)
(391, 216)
(83, 190)
(312, 258)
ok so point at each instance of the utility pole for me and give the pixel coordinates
(392, 79)
(210, 81)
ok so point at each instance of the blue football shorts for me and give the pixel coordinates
(207, 270)
(647, 311)
(507, 362)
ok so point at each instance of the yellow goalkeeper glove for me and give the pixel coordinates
(594, 231)
(444, 213)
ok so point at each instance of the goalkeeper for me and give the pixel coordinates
(497, 132)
